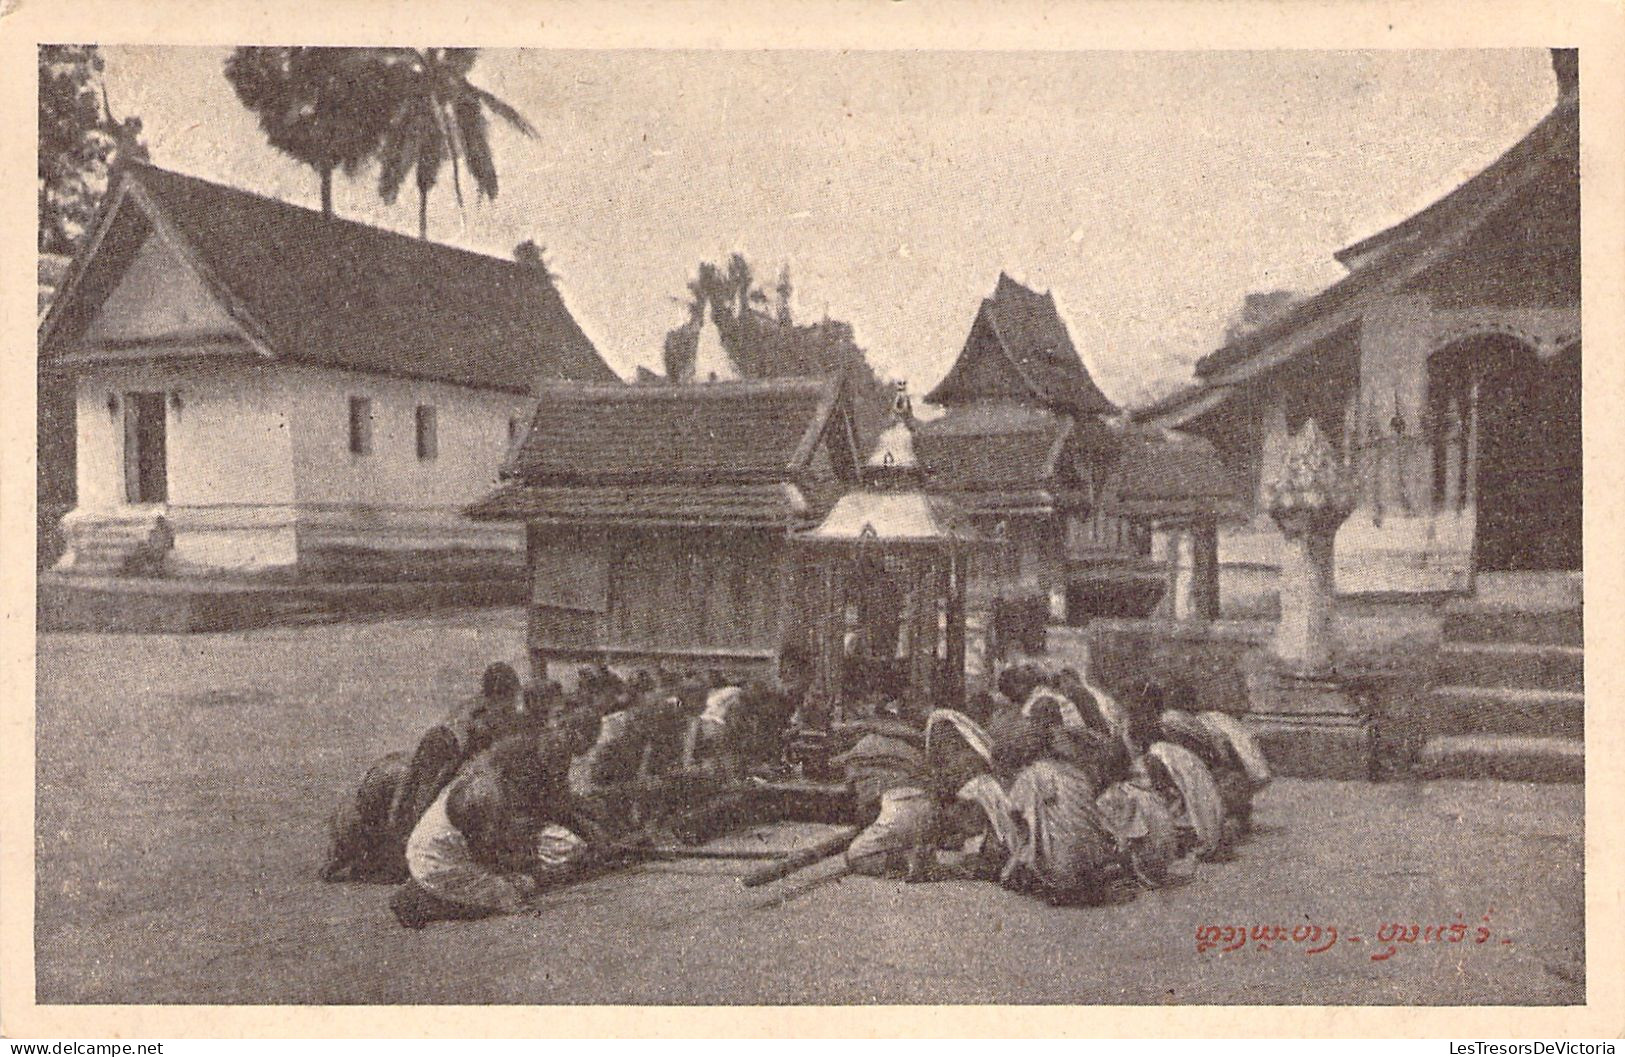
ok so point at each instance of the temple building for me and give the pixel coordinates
(1023, 446)
(259, 390)
(1445, 369)
(660, 519)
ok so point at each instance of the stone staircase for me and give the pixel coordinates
(1509, 700)
(123, 547)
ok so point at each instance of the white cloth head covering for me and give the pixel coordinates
(1179, 723)
(1071, 718)
(1242, 741)
(1111, 710)
(1204, 808)
(977, 738)
(719, 703)
(1066, 843)
(985, 792)
(1139, 821)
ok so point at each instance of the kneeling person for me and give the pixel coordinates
(502, 831)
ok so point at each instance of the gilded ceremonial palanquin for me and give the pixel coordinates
(1445, 369)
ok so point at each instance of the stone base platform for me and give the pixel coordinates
(1309, 726)
(68, 602)
(1316, 746)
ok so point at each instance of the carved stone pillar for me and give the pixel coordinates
(1307, 718)
(1309, 498)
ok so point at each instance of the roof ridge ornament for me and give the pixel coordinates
(893, 461)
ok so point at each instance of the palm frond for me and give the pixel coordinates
(470, 125)
(395, 159)
(504, 111)
(447, 145)
(460, 61)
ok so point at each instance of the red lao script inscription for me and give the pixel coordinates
(1318, 939)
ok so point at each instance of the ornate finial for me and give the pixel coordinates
(900, 406)
(894, 449)
(1311, 488)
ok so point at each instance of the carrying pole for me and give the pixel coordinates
(666, 851)
(828, 848)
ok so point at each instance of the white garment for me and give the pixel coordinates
(1065, 842)
(1071, 718)
(611, 727)
(986, 793)
(1178, 722)
(1139, 821)
(719, 704)
(438, 857)
(977, 738)
(1242, 741)
(1202, 809)
(1111, 710)
(905, 817)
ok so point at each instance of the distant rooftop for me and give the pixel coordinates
(1024, 330)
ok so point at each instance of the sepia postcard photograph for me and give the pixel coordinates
(707, 521)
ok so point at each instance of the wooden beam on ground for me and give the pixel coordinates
(669, 851)
(829, 847)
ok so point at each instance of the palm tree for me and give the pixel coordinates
(731, 293)
(742, 280)
(324, 107)
(707, 286)
(436, 115)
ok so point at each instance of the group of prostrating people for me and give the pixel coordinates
(1050, 784)
(523, 787)
(1053, 785)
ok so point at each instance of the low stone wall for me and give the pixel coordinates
(1204, 657)
(342, 564)
(1389, 663)
(69, 602)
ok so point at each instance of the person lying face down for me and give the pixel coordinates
(965, 770)
(504, 829)
(1064, 849)
(887, 771)
(888, 754)
(1022, 777)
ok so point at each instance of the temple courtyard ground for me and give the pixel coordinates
(183, 781)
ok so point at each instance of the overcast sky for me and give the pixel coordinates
(1150, 191)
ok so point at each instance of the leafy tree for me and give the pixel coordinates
(436, 115)
(1257, 309)
(79, 142)
(773, 345)
(324, 107)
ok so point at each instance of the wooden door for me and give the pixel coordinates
(1529, 492)
(146, 458)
